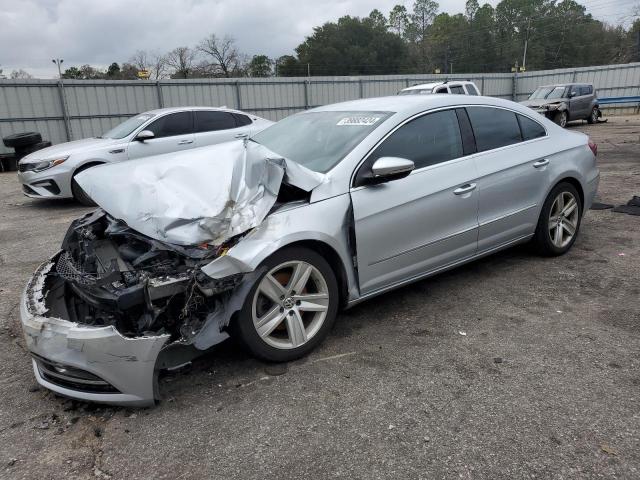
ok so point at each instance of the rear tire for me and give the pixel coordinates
(78, 193)
(559, 221)
(278, 323)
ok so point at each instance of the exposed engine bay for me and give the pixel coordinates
(108, 274)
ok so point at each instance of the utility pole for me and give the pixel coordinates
(308, 70)
(638, 43)
(526, 43)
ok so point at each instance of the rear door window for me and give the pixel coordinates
(212, 121)
(180, 123)
(427, 140)
(457, 89)
(494, 127)
(530, 128)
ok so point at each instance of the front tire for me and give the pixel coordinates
(559, 221)
(78, 192)
(291, 307)
(561, 118)
(593, 116)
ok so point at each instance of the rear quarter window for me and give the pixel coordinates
(494, 127)
(471, 89)
(530, 128)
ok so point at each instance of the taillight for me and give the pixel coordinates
(593, 147)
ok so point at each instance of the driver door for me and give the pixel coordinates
(428, 220)
(172, 133)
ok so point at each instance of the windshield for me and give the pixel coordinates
(548, 92)
(128, 126)
(319, 140)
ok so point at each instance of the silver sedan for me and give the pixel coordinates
(266, 239)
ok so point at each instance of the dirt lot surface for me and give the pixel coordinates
(515, 366)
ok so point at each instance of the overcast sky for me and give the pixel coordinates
(99, 32)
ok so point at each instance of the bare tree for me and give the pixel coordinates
(222, 55)
(181, 61)
(140, 60)
(158, 65)
(155, 63)
(19, 75)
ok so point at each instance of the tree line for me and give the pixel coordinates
(516, 34)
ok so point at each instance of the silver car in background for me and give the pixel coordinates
(267, 239)
(50, 172)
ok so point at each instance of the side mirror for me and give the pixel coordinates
(573, 94)
(145, 135)
(386, 169)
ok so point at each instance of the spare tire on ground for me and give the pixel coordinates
(23, 151)
(8, 162)
(18, 140)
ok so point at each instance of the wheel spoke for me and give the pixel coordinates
(557, 239)
(299, 278)
(569, 227)
(269, 321)
(271, 288)
(569, 207)
(553, 222)
(313, 302)
(560, 203)
(295, 328)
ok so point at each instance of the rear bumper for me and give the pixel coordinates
(591, 191)
(83, 362)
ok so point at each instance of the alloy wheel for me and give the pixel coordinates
(563, 219)
(290, 304)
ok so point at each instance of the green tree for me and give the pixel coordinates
(353, 46)
(399, 20)
(289, 66)
(259, 66)
(377, 18)
(113, 72)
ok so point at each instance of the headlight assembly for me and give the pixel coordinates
(43, 165)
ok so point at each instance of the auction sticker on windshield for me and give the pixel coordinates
(358, 121)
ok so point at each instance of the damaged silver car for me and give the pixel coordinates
(266, 239)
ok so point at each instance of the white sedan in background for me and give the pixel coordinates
(50, 172)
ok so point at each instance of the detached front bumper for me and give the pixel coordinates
(83, 362)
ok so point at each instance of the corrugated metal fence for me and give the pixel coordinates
(76, 109)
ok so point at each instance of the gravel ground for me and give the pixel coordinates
(514, 366)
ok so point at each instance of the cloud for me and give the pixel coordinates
(100, 32)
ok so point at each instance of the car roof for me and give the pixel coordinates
(411, 104)
(429, 86)
(161, 111)
(566, 84)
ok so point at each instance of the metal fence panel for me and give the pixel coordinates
(91, 107)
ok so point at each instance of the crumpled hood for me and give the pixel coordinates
(540, 102)
(68, 148)
(204, 195)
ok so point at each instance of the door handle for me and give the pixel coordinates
(242, 135)
(465, 189)
(541, 163)
(185, 142)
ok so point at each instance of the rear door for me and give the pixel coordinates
(214, 126)
(512, 174)
(173, 133)
(423, 222)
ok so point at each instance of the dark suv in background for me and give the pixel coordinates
(565, 102)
